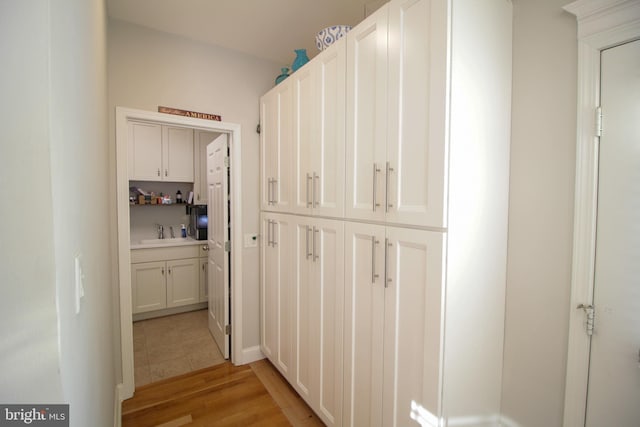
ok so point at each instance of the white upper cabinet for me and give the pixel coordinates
(395, 140)
(160, 153)
(276, 117)
(318, 139)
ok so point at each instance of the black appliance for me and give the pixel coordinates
(199, 222)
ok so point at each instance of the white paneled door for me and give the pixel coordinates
(218, 241)
(614, 371)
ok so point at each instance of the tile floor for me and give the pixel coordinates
(173, 345)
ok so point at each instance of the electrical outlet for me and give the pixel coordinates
(250, 240)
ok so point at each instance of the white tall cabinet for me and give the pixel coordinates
(418, 315)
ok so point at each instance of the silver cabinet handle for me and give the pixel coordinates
(309, 202)
(374, 276)
(274, 241)
(306, 235)
(269, 232)
(315, 255)
(275, 191)
(269, 199)
(375, 187)
(314, 199)
(387, 245)
(386, 197)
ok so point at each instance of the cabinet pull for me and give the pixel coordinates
(169, 271)
(313, 184)
(386, 194)
(306, 235)
(387, 245)
(315, 255)
(309, 203)
(268, 232)
(158, 171)
(375, 187)
(203, 265)
(274, 242)
(275, 192)
(166, 172)
(374, 276)
(162, 271)
(269, 193)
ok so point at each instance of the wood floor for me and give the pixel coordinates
(222, 395)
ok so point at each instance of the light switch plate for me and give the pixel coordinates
(79, 285)
(250, 240)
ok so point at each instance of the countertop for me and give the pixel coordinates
(165, 243)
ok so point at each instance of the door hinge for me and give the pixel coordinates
(589, 311)
(227, 246)
(227, 329)
(599, 121)
(227, 161)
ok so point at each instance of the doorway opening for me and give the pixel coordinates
(234, 231)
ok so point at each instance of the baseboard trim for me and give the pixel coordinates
(117, 406)
(250, 354)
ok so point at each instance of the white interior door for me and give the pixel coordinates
(614, 370)
(217, 237)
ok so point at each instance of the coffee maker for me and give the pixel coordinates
(199, 221)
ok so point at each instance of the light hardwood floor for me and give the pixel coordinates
(222, 395)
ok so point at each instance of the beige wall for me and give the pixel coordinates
(540, 212)
(148, 68)
(54, 181)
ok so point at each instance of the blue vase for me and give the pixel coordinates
(301, 59)
(284, 75)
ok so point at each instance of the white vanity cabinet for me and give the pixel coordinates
(160, 153)
(276, 132)
(318, 137)
(164, 277)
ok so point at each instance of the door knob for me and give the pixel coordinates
(205, 248)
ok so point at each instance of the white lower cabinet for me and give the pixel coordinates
(277, 293)
(318, 256)
(165, 277)
(392, 338)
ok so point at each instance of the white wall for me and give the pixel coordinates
(149, 68)
(540, 212)
(54, 182)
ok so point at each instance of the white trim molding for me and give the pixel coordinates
(601, 24)
(127, 387)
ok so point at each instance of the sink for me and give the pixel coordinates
(163, 241)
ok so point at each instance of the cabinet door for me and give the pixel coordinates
(268, 291)
(304, 136)
(415, 167)
(327, 246)
(145, 151)
(183, 280)
(203, 288)
(283, 178)
(277, 296)
(327, 149)
(366, 117)
(412, 325)
(364, 321)
(148, 286)
(177, 154)
(268, 146)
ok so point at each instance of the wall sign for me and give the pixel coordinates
(186, 113)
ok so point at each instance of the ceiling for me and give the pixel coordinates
(268, 29)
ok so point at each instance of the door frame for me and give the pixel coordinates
(601, 24)
(123, 115)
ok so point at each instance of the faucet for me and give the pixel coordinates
(160, 231)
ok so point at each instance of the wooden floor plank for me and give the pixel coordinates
(223, 395)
